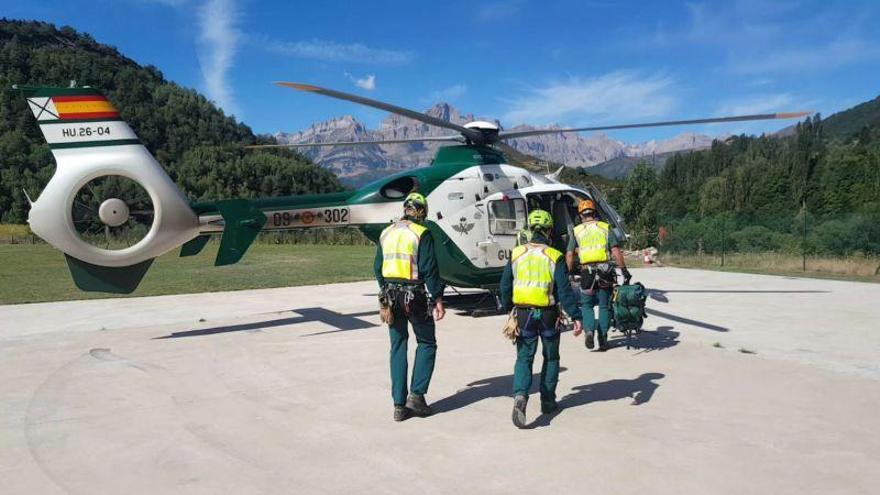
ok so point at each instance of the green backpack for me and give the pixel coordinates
(628, 305)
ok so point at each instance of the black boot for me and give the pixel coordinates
(416, 403)
(519, 410)
(400, 413)
(549, 407)
(589, 339)
(603, 342)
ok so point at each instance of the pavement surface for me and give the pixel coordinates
(741, 384)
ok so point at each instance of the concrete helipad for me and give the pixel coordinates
(743, 384)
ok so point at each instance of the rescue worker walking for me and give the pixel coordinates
(594, 245)
(410, 284)
(533, 282)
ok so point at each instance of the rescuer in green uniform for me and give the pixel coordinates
(533, 282)
(594, 245)
(410, 284)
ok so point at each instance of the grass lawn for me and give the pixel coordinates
(35, 273)
(858, 268)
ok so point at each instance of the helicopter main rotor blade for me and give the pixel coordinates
(468, 133)
(739, 118)
(356, 143)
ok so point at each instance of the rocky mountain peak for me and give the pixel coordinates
(573, 150)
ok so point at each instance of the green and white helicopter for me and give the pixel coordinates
(478, 202)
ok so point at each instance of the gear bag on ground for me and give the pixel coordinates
(628, 304)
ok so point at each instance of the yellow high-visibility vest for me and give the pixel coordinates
(400, 250)
(592, 242)
(533, 268)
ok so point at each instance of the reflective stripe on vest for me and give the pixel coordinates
(592, 242)
(400, 250)
(533, 268)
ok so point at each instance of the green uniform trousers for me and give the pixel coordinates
(526, 348)
(423, 327)
(602, 297)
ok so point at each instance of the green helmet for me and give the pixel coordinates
(417, 200)
(540, 219)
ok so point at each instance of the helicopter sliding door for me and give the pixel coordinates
(563, 207)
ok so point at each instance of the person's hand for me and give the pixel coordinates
(578, 328)
(439, 310)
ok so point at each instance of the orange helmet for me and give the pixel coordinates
(586, 204)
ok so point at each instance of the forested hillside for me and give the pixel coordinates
(199, 146)
(752, 193)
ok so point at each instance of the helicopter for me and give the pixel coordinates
(478, 201)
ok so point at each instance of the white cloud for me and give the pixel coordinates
(170, 3)
(808, 58)
(368, 82)
(755, 104)
(332, 51)
(218, 40)
(447, 94)
(757, 37)
(755, 83)
(622, 96)
(759, 104)
(498, 10)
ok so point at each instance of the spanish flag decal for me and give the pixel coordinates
(73, 107)
(84, 107)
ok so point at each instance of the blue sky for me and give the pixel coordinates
(540, 62)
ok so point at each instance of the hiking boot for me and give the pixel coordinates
(589, 340)
(549, 407)
(400, 413)
(416, 403)
(603, 342)
(519, 410)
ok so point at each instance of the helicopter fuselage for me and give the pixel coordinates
(477, 204)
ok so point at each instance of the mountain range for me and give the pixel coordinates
(356, 164)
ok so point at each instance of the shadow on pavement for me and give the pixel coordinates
(687, 321)
(640, 390)
(497, 386)
(663, 337)
(660, 294)
(342, 322)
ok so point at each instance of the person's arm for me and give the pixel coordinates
(564, 293)
(377, 265)
(570, 253)
(616, 252)
(617, 255)
(506, 288)
(430, 273)
(428, 269)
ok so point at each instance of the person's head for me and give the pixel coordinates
(540, 222)
(415, 206)
(587, 209)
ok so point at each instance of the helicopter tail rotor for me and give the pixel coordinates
(110, 207)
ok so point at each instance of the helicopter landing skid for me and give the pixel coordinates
(475, 304)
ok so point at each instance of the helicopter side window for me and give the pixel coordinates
(398, 188)
(507, 217)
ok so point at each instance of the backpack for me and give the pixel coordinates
(628, 306)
